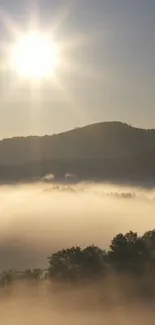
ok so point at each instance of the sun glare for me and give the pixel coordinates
(34, 56)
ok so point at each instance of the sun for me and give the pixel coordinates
(34, 56)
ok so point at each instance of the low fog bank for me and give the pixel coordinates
(38, 219)
(47, 304)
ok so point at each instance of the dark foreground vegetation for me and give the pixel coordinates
(130, 259)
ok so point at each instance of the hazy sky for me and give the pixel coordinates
(108, 71)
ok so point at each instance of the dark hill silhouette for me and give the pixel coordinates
(101, 140)
(103, 150)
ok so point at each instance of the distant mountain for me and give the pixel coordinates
(101, 140)
(102, 150)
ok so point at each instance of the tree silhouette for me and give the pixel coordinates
(149, 241)
(128, 252)
(66, 263)
(94, 261)
(74, 263)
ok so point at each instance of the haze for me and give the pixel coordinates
(66, 64)
(107, 71)
(37, 219)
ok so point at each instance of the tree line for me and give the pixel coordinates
(128, 254)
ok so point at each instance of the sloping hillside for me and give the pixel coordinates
(97, 141)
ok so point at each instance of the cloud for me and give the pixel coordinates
(38, 219)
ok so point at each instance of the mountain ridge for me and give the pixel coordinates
(105, 150)
(119, 123)
(99, 140)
